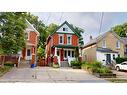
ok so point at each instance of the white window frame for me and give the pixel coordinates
(66, 29)
(70, 39)
(62, 38)
(118, 43)
(27, 33)
(104, 44)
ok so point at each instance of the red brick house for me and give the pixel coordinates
(29, 52)
(62, 44)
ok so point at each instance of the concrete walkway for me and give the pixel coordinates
(50, 75)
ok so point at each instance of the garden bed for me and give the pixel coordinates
(97, 69)
(108, 75)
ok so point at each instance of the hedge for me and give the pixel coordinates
(120, 59)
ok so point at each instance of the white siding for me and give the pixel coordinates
(65, 26)
(101, 57)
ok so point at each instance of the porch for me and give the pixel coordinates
(65, 54)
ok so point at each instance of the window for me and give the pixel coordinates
(65, 29)
(104, 44)
(61, 39)
(118, 55)
(72, 53)
(113, 56)
(28, 52)
(27, 35)
(69, 53)
(65, 54)
(69, 40)
(118, 44)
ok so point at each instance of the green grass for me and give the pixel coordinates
(5, 69)
(118, 80)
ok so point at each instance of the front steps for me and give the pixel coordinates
(64, 64)
(24, 64)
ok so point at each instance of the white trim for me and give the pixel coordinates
(32, 28)
(70, 39)
(61, 35)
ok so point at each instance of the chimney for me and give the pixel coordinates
(91, 37)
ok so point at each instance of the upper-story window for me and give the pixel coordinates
(61, 39)
(27, 35)
(118, 44)
(65, 29)
(104, 44)
(69, 39)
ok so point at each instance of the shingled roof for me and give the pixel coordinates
(125, 40)
(97, 39)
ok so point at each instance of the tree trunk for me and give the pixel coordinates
(3, 60)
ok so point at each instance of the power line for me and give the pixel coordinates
(102, 15)
(48, 18)
(61, 17)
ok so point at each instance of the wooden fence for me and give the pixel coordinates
(10, 58)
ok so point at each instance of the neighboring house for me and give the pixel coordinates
(105, 48)
(29, 52)
(62, 43)
(125, 49)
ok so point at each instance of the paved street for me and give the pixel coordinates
(50, 75)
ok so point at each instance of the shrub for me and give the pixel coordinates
(9, 63)
(76, 63)
(103, 70)
(96, 67)
(120, 60)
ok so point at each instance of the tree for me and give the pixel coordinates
(121, 30)
(51, 28)
(12, 26)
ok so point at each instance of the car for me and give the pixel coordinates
(121, 66)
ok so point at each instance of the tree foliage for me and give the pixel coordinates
(121, 30)
(12, 26)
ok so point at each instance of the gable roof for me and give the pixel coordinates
(68, 26)
(97, 39)
(30, 26)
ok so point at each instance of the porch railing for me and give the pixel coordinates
(70, 59)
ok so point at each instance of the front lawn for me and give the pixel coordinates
(5, 69)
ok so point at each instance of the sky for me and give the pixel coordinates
(89, 21)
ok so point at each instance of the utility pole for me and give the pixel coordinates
(101, 21)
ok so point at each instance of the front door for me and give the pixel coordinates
(28, 53)
(108, 58)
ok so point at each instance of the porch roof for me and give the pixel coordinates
(106, 50)
(65, 46)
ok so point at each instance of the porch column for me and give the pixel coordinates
(80, 54)
(55, 51)
(33, 55)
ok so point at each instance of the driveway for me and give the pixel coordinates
(50, 75)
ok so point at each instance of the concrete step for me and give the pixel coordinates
(24, 64)
(64, 64)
